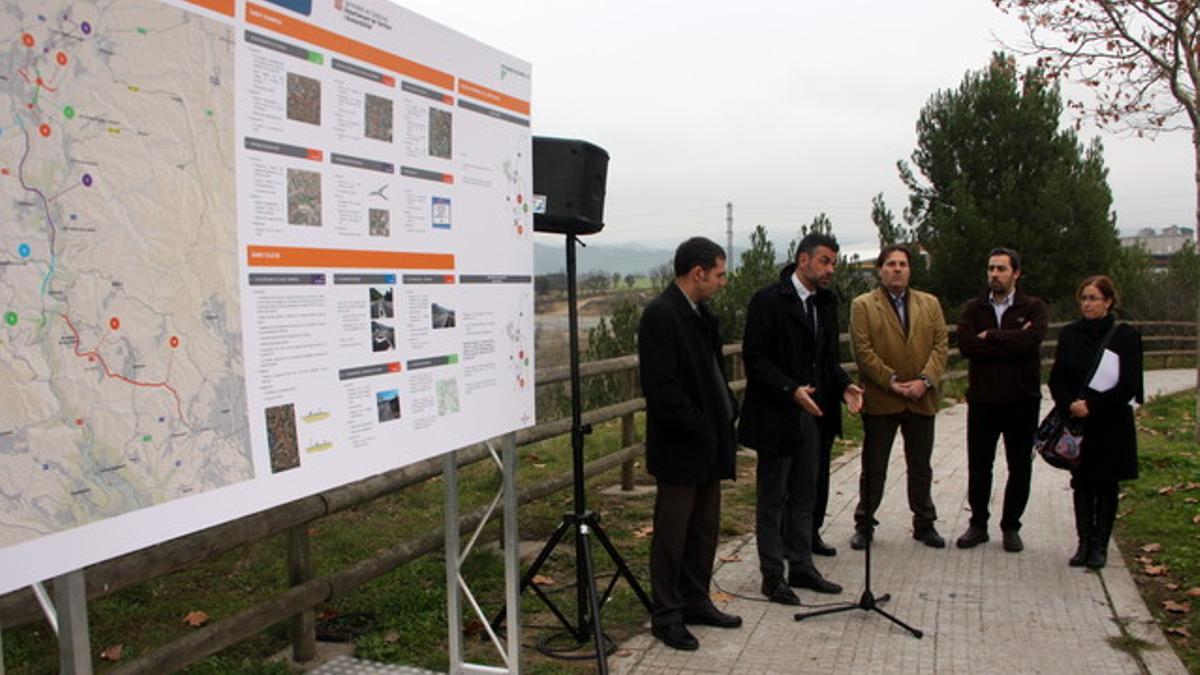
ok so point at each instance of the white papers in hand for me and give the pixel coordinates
(1107, 373)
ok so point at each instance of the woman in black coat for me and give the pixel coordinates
(1109, 449)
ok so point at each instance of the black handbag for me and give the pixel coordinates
(1059, 438)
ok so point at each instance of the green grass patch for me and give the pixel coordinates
(1158, 529)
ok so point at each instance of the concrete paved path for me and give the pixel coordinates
(982, 610)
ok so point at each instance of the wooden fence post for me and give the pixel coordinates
(304, 624)
(628, 434)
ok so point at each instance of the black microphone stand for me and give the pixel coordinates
(868, 601)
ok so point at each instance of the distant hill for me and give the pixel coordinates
(623, 258)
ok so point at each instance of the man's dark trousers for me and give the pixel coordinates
(986, 422)
(686, 526)
(784, 518)
(879, 431)
(824, 458)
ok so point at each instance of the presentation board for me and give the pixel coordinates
(249, 251)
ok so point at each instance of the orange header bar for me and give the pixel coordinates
(220, 6)
(288, 256)
(492, 96)
(281, 23)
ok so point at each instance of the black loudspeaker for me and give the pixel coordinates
(568, 186)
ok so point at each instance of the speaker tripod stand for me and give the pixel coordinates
(583, 523)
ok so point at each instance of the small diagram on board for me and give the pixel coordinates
(447, 396)
(441, 123)
(303, 197)
(440, 213)
(516, 194)
(377, 118)
(388, 405)
(281, 437)
(303, 99)
(379, 222)
(519, 360)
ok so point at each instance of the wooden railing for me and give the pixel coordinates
(1178, 339)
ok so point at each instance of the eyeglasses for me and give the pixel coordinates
(1092, 298)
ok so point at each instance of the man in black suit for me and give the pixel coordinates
(794, 382)
(690, 413)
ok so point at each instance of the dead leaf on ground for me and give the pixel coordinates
(542, 580)
(1152, 548)
(392, 637)
(1171, 587)
(327, 614)
(1193, 592)
(1166, 489)
(1196, 519)
(1145, 560)
(472, 628)
(112, 653)
(1155, 570)
(623, 653)
(731, 558)
(195, 618)
(643, 532)
(1177, 607)
(720, 596)
(1191, 500)
(1179, 631)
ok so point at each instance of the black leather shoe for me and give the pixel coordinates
(819, 547)
(1012, 541)
(711, 616)
(1081, 553)
(973, 537)
(814, 582)
(676, 636)
(777, 591)
(929, 537)
(1097, 557)
(860, 540)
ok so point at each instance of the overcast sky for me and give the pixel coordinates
(784, 109)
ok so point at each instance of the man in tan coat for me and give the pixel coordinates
(900, 344)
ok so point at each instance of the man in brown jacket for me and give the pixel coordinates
(900, 345)
(1000, 333)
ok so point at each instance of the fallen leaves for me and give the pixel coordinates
(542, 580)
(1179, 631)
(644, 531)
(1152, 548)
(1177, 607)
(392, 637)
(1193, 592)
(195, 618)
(1154, 570)
(112, 653)
(720, 596)
(731, 558)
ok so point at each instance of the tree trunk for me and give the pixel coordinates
(1196, 152)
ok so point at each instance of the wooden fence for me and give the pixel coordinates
(1163, 340)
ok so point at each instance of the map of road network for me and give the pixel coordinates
(120, 341)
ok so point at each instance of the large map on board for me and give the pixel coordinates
(121, 354)
(249, 251)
